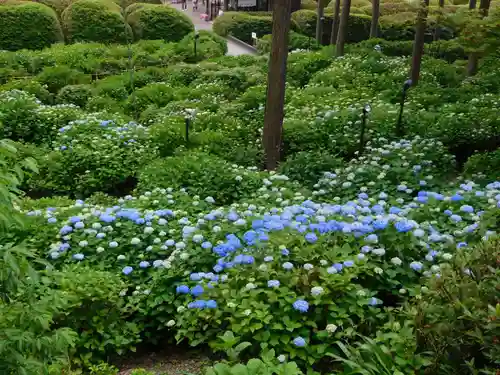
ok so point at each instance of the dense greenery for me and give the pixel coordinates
(134, 209)
(39, 24)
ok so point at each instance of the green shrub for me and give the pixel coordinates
(28, 25)
(94, 308)
(487, 164)
(31, 86)
(209, 45)
(201, 174)
(18, 116)
(55, 78)
(459, 316)
(87, 160)
(309, 166)
(242, 25)
(159, 22)
(57, 5)
(155, 94)
(358, 28)
(94, 21)
(75, 94)
(127, 3)
(295, 41)
(132, 8)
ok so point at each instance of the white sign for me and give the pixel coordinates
(247, 3)
(254, 35)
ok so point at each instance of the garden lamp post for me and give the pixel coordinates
(366, 109)
(399, 125)
(196, 37)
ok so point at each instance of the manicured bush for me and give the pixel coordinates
(201, 174)
(159, 22)
(295, 41)
(309, 166)
(487, 164)
(57, 5)
(242, 25)
(208, 45)
(75, 94)
(127, 3)
(358, 27)
(94, 21)
(132, 8)
(55, 78)
(28, 25)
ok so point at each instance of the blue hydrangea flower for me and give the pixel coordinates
(197, 290)
(348, 263)
(268, 259)
(373, 301)
(200, 304)
(301, 305)
(78, 256)
(66, 229)
(311, 237)
(456, 218)
(211, 304)
(195, 277)
(299, 342)
(287, 265)
(182, 289)
(52, 220)
(416, 266)
(273, 283)
(285, 252)
(144, 264)
(127, 270)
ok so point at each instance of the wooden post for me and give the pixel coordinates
(335, 24)
(418, 44)
(344, 19)
(273, 119)
(375, 17)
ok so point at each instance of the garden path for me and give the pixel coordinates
(233, 48)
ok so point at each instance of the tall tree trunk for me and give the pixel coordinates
(473, 61)
(319, 21)
(472, 4)
(335, 24)
(344, 19)
(226, 5)
(273, 118)
(375, 17)
(438, 21)
(418, 44)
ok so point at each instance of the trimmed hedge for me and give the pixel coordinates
(132, 8)
(28, 25)
(295, 41)
(358, 26)
(241, 25)
(95, 21)
(159, 22)
(57, 5)
(126, 3)
(208, 45)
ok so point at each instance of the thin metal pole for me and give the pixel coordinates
(399, 125)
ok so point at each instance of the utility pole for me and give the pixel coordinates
(418, 44)
(273, 119)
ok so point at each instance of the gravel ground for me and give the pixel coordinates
(170, 361)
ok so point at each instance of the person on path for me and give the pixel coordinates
(195, 5)
(184, 5)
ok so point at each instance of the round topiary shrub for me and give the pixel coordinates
(28, 25)
(208, 45)
(242, 25)
(159, 22)
(57, 5)
(75, 94)
(95, 21)
(126, 3)
(56, 77)
(132, 8)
